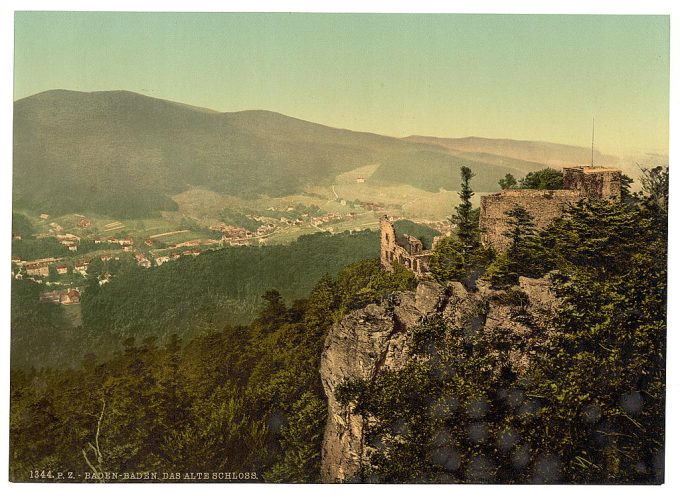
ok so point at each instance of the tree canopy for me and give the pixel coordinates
(245, 397)
(544, 179)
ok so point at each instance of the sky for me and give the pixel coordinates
(533, 77)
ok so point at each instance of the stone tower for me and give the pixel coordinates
(388, 242)
(594, 182)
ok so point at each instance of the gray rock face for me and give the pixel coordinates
(358, 347)
(378, 336)
(428, 297)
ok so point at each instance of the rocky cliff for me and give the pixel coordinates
(379, 336)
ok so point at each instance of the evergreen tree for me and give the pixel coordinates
(545, 179)
(461, 257)
(301, 443)
(464, 218)
(524, 257)
(655, 187)
(602, 380)
(273, 314)
(626, 195)
(448, 260)
(590, 409)
(507, 182)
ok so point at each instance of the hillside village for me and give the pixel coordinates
(84, 243)
(75, 247)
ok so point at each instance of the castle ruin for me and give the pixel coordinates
(403, 249)
(580, 182)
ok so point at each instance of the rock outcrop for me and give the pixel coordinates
(378, 336)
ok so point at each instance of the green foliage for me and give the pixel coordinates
(604, 378)
(187, 297)
(602, 236)
(525, 256)
(366, 282)
(545, 179)
(626, 194)
(452, 261)
(350, 391)
(273, 313)
(239, 219)
(301, 442)
(244, 398)
(161, 408)
(195, 294)
(421, 232)
(29, 248)
(507, 182)
(448, 260)
(434, 169)
(514, 297)
(655, 187)
(21, 225)
(33, 323)
(467, 226)
(68, 158)
(461, 257)
(588, 406)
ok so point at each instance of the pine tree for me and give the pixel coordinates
(464, 217)
(507, 182)
(525, 255)
(545, 179)
(461, 257)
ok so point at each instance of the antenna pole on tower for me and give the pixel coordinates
(592, 146)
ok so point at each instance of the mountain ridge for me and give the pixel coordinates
(126, 154)
(552, 153)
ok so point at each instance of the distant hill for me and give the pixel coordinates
(432, 170)
(125, 155)
(546, 153)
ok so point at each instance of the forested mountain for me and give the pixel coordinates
(124, 154)
(237, 399)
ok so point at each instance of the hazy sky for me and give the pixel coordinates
(510, 76)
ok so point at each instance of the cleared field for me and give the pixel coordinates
(288, 235)
(181, 236)
(73, 314)
(166, 234)
(351, 176)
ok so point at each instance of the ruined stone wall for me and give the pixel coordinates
(391, 251)
(388, 243)
(543, 205)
